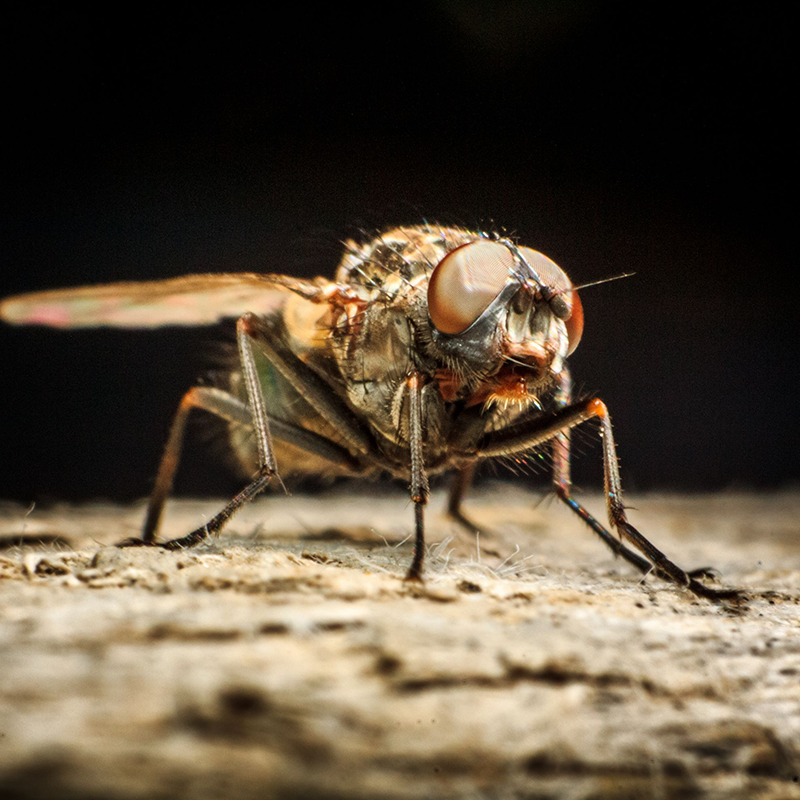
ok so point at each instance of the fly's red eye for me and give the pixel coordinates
(575, 324)
(465, 282)
(553, 276)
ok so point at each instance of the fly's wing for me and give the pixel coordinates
(192, 300)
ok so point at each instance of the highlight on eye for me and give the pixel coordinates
(465, 282)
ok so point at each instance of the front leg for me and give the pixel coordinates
(562, 483)
(618, 518)
(532, 433)
(419, 479)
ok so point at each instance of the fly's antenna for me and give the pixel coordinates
(591, 283)
(602, 280)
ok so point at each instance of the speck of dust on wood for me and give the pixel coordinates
(288, 658)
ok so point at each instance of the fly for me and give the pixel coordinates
(432, 350)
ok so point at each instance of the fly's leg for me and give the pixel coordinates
(224, 405)
(266, 458)
(419, 479)
(527, 435)
(253, 415)
(619, 520)
(458, 489)
(210, 399)
(267, 332)
(562, 483)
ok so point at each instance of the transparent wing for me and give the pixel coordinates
(190, 300)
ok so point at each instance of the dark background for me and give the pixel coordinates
(613, 138)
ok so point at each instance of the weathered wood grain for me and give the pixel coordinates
(288, 658)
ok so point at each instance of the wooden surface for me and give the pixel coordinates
(288, 658)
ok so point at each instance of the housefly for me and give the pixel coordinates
(432, 350)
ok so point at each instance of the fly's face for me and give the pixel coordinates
(503, 318)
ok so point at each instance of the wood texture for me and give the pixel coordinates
(288, 658)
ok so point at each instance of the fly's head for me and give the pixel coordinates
(503, 319)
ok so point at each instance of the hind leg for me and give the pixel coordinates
(254, 415)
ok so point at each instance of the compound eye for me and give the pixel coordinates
(553, 276)
(575, 323)
(465, 282)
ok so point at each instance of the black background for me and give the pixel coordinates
(615, 138)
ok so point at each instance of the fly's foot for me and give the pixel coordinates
(704, 572)
(700, 589)
(468, 526)
(135, 541)
(736, 596)
(173, 544)
(466, 523)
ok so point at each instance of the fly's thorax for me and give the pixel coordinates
(392, 263)
(374, 357)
